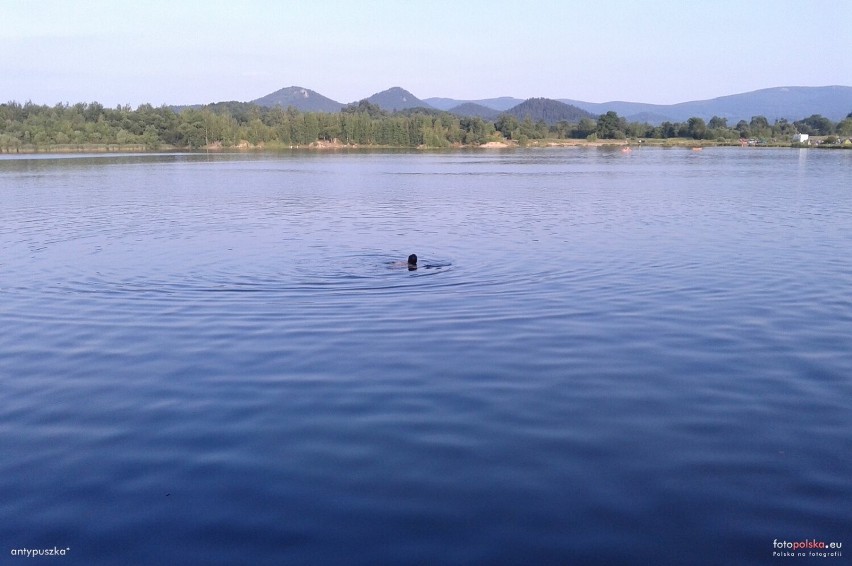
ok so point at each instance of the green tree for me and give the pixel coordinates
(122, 137)
(329, 126)
(93, 111)
(717, 123)
(475, 131)
(151, 139)
(312, 128)
(190, 130)
(759, 127)
(639, 130)
(815, 125)
(365, 106)
(696, 128)
(508, 126)
(668, 130)
(611, 126)
(844, 127)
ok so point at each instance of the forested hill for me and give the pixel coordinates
(549, 111)
(476, 110)
(304, 99)
(396, 98)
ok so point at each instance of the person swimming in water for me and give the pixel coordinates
(411, 264)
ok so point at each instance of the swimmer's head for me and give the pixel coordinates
(412, 262)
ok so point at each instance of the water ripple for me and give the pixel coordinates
(611, 358)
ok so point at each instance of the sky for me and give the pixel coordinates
(193, 52)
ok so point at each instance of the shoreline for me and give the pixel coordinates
(321, 146)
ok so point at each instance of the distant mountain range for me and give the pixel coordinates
(792, 103)
(499, 104)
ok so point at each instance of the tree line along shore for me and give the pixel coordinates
(30, 127)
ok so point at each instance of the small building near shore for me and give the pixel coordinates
(801, 138)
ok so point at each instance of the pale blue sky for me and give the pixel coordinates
(183, 52)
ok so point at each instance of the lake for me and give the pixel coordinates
(604, 357)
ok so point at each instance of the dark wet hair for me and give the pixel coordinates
(412, 259)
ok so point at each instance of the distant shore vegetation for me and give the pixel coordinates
(91, 126)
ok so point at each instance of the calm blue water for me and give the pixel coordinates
(615, 358)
